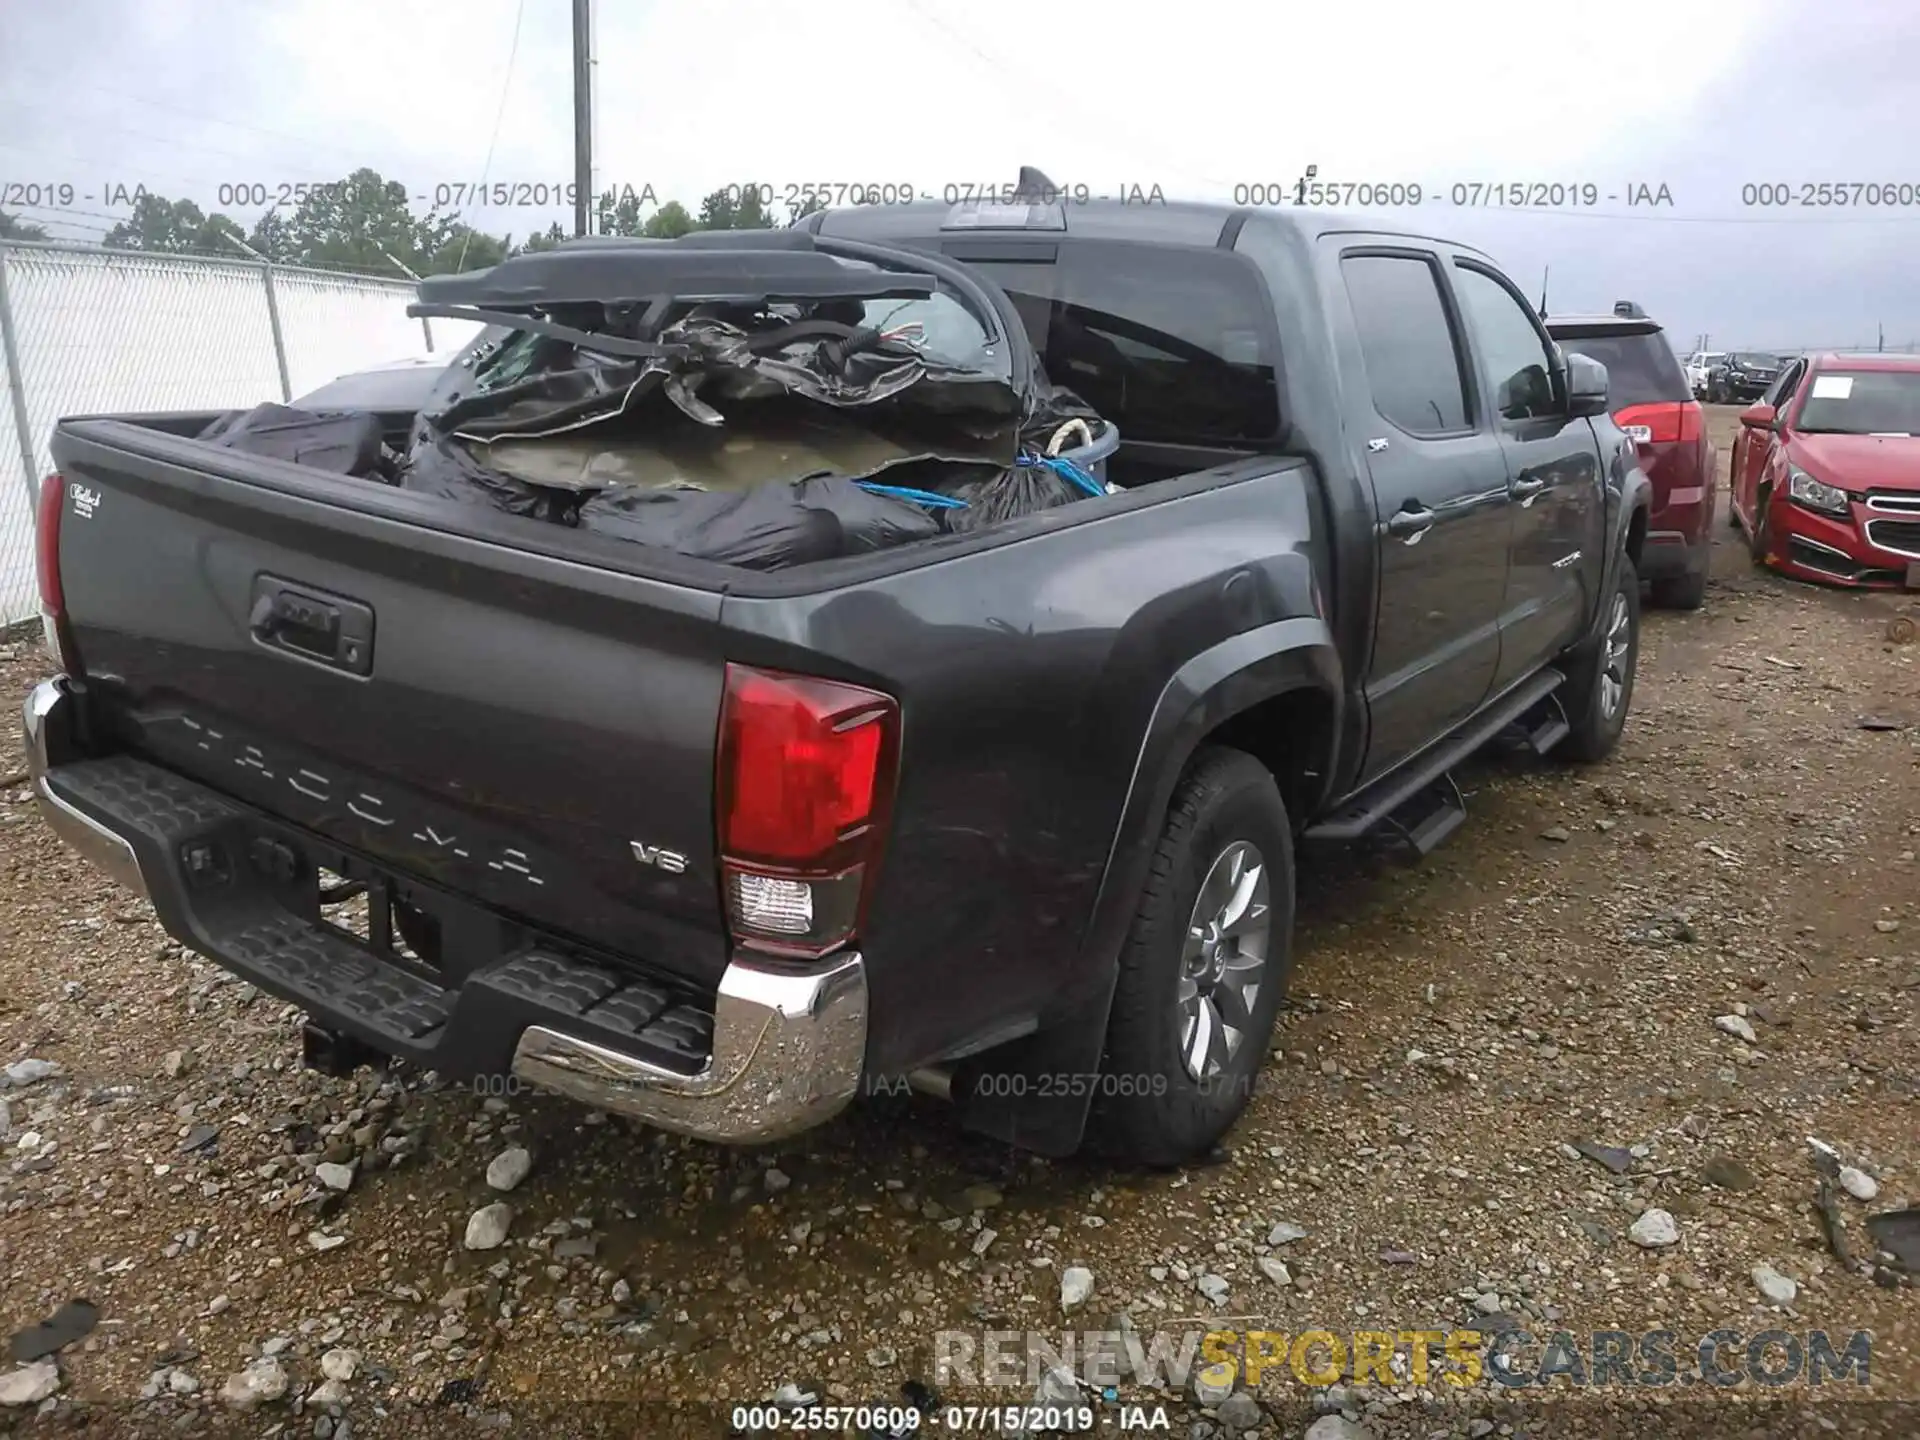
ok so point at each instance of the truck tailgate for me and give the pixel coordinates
(506, 724)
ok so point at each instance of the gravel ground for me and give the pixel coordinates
(1702, 953)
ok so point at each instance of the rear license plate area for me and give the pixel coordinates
(381, 914)
(397, 920)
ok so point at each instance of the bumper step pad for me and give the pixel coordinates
(229, 912)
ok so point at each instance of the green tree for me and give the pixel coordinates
(158, 223)
(359, 222)
(716, 211)
(734, 207)
(12, 229)
(751, 212)
(618, 217)
(350, 223)
(797, 213)
(461, 247)
(669, 222)
(272, 237)
(541, 240)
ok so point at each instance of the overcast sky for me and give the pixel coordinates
(184, 95)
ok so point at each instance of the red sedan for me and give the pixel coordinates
(1826, 471)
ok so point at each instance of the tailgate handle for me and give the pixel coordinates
(312, 624)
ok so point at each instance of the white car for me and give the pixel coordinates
(1697, 365)
(396, 385)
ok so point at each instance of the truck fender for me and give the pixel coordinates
(1017, 1093)
(1629, 496)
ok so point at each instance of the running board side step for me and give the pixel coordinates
(1420, 803)
(1546, 726)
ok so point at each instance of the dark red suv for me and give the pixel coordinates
(1652, 402)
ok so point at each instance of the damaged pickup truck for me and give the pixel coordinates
(912, 645)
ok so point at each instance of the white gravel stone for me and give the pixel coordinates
(1211, 1386)
(1654, 1230)
(487, 1227)
(341, 1364)
(30, 1384)
(1337, 1427)
(1285, 1233)
(261, 1383)
(509, 1168)
(1276, 1271)
(1858, 1183)
(1076, 1288)
(1779, 1289)
(1738, 1027)
(328, 1393)
(1239, 1411)
(32, 1072)
(334, 1177)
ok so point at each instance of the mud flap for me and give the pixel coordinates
(1037, 1092)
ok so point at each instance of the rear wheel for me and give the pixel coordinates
(1203, 969)
(1680, 592)
(1600, 681)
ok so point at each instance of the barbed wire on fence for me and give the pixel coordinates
(223, 257)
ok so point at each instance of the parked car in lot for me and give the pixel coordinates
(1742, 376)
(402, 384)
(1011, 812)
(1826, 471)
(1698, 366)
(1651, 401)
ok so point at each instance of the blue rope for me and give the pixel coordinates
(931, 499)
(1066, 470)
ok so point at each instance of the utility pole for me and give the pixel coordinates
(583, 108)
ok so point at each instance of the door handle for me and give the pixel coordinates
(311, 624)
(1411, 524)
(1525, 489)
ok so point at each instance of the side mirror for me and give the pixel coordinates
(1759, 415)
(1588, 387)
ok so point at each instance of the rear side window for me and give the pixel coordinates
(1641, 369)
(1413, 362)
(1513, 355)
(1171, 345)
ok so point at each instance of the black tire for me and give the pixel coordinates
(1680, 592)
(1596, 727)
(1150, 1110)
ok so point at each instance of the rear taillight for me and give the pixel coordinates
(53, 599)
(1664, 423)
(804, 790)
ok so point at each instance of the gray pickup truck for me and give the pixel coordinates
(1009, 813)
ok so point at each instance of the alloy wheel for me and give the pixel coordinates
(1614, 657)
(1224, 959)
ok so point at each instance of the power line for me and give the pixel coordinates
(71, 158)
(499, 115)
(201, 115)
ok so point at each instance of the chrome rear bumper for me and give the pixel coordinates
(105, 849)
(788, 1047)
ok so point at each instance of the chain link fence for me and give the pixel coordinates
(90, 331)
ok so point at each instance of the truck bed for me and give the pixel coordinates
(532, 704)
